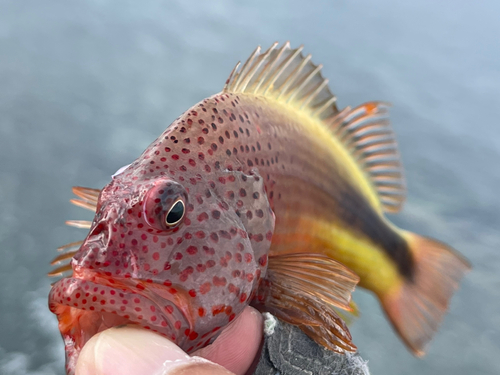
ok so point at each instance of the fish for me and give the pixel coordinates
(265, 194)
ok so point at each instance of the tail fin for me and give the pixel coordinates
(418, 306)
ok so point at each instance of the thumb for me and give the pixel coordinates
(132, 350)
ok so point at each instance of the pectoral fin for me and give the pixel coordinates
(304, 290)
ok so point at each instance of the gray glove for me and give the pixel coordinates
(289, 351)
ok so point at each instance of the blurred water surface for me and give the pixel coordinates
(85, 86)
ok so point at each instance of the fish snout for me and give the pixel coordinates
(96, 250)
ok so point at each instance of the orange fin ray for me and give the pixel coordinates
(63, 256)
(318, 275)
(84, 224)
(417, 308)
(88, 194)
(302, 289)
(70, 246)
(84, 204)
(60, 270)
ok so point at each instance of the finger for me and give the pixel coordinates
(132, 350)
(237, 346)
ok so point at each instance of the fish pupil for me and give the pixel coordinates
(176, 213)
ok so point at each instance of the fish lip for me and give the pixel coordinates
(78, 324)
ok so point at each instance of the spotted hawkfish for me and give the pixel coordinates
(265, 194)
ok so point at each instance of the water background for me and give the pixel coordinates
(85, 86)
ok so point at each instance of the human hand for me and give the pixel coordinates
(132, 350)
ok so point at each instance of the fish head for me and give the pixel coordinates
(181, 258)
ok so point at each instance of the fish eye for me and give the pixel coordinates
(165, 205)
(175, 214)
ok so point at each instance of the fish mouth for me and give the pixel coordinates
(88, 303)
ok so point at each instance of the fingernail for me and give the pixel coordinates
(132, 350)
(203, 368)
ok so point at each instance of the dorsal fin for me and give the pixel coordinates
(286, 75)
(366, 132)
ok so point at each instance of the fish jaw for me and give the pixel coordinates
(89, 303)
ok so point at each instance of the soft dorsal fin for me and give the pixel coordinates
(366, 132)
(286, 75)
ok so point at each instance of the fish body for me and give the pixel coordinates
(263, 194)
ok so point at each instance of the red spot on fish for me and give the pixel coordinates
(218, 309)
(205, 288)
(219, 281)
(201, 312)
(258, 237)
(233, 289)
(214, 237)
(202, 217)
(192, 250)
(192, 293)
(201, 268)
(263, 260)
(209, 250)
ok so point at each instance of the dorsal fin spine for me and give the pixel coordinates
(309, 97)
(323, 106)
(268, 67)
(291, 78)
(256, 66)
(231, 76)
(281, 69)
(304, 82)
(246, 65)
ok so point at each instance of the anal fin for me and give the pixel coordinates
(304, 290)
